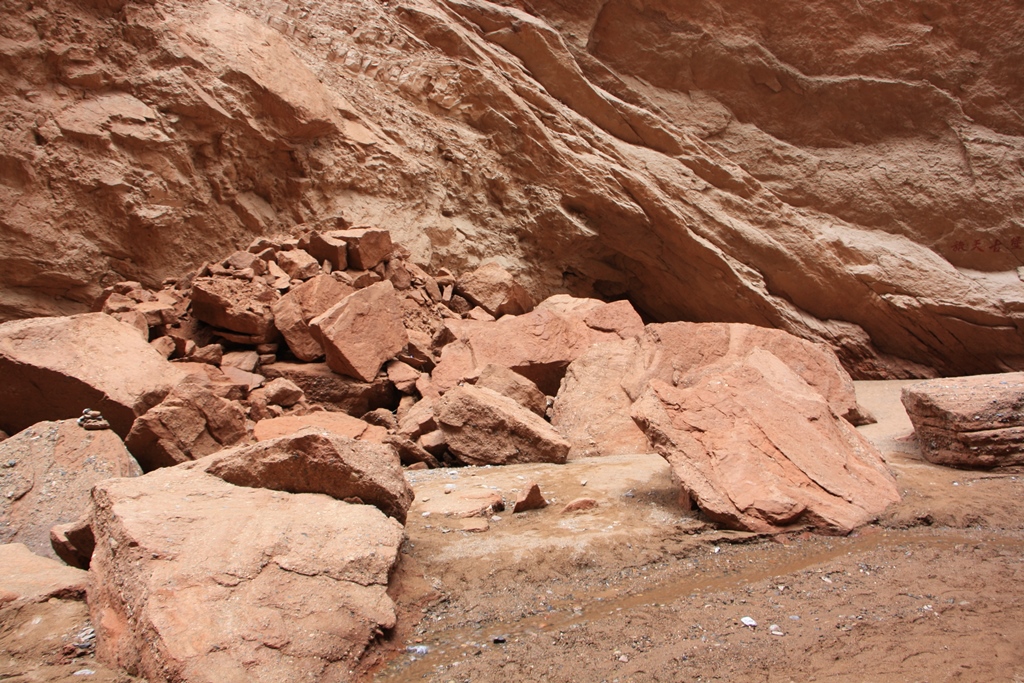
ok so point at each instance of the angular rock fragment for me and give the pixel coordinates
(236, 306)
(294, 310)
(339, 424)
(495, 290)
(759, 449)
(323, 386)
(362, 331)
(73, 542)
(328, 246)
(515, 386)
(530, 498)
(46, 474)
(283, 392)
(975, 421)
(190, 423)
(190, 585)
(28, 577)
(367, 247)
(317, 461)
(54, 368)
(298, 264)
(482, 427)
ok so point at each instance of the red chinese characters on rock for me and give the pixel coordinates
(993, 246)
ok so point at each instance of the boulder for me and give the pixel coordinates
(482, 427)
(54, 368)
(759, 449)
(591, 410)
(403, 376)
(239, 306)
(27, 577)
(495, 290)
(315, 460)
(975, 421)
(294, 310)
(243, 360)
(283, 392)
(329, 247)
(46, 474)
(73, 542)
(367, 247)
(339, 424)
(515, 386)
(190, 423)
(298, 264)
(538, 345)
(362, 331)
(323, 386)
(190, 585)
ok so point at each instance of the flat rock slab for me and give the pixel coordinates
(197, 580)
(25, 576)
(975, 421)
(54, 368)
(758, 449)
(322, 385)
(46, 474)
(335, 423)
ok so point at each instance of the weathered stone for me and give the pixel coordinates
(515, 386)
(190, 585)
(46, 473)
(579, 505)
(409, 452)
(294, 310)
(27, 577)
(335, 423)
(418, 420)
(73, 542)
(190, 423)
(975, 421)
(235, 306)
(367, 247)
(403, 376)
(329, 247)
(759, 449)
(317, 461)
(495, 290)
(465, 503)
(592, 409)
(482, 427)
(54, 368)
(362, 331)
(530, 498)
(323, 386)
(382, 418)
(298, 264)
(283, 392)
(243, 360)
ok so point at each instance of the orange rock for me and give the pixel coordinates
(367, 247)
(335, 423)
(495, 290)
(236, 306)
(530, 498)
(579, 505)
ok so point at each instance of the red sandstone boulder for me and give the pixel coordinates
(515, 386)
(298, 264)
(27, 577)
(46, 474)
(190, 583)
(759, 449)
(317, 461)
(338, 424)
(329, 247)
(482, 427)
(192, 422)
(54, 368)
(294, 310)
(495, 290)
(236, 306)
(362, 331)
(367, 247)
(323, 386)
(530, 498)
(969, 421)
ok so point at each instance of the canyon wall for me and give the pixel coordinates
(849, 172)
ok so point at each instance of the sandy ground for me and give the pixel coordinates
(640, 589)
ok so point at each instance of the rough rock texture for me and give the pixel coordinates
(294, 310)
(482, 427)
(54, 368)
(322, 385)
(362, 331)
(46, 474)
(847, 172)
(757, 448)
(969, 421)
(190, 585)
(515, 386)
(493, 288)
(317, 461)
(336, 423)
(530, 498)
(236, 306)
(190, 423)
(25, 576)
(367, 247)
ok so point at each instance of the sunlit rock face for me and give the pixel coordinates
(852, 173)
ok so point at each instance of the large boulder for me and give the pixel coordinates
(190, 423)
(323, 386)
(482, 427)
(314, 460)
(27, 577)
(362, 331)
(46, 474)
(294, 310)
(197, 580)
(759, 449)
(236, 306)
(538, 345)
(493, 289)
(509, 383)
(54, 368)
(973, 421)
(366, 247)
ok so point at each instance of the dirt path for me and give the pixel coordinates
(639, 589)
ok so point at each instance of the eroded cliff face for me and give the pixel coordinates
(847, 172)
